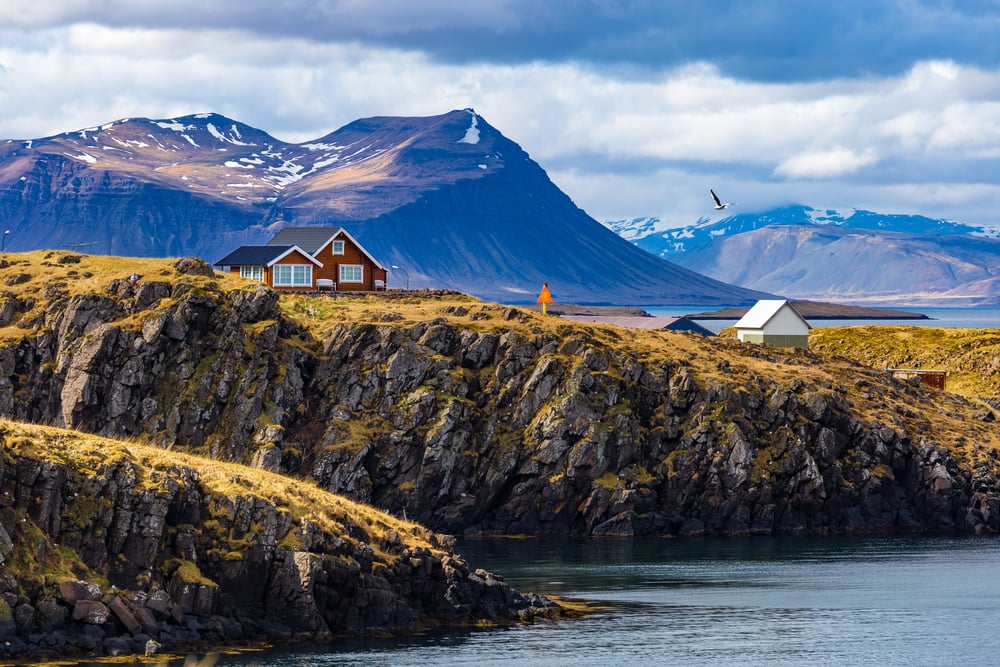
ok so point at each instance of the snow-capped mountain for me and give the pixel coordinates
(823, 254)
(655, 236)
(447, 198)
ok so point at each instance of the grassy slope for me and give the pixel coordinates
(85, 454)
(44, 275)
(971, 356)
(843, 359)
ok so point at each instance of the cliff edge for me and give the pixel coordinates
(472, 417)
(112, 548)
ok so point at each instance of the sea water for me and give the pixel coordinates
(949, 318)
(899, 600)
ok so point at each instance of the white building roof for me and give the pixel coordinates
(764, 311)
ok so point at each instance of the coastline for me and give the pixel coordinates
(816, 310)
(820, 310)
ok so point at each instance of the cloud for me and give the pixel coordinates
(836, 161)
(767, 40)
(634, 108)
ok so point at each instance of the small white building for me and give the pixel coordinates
(775, 322)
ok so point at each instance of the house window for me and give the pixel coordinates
(352, 273)
(252, 273)
(293, 275)
(338, 247)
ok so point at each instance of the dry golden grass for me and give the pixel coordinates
(923, 413)
(320, 314)
(849, 361)
(306, 502)
(971, 356)
(44, 275)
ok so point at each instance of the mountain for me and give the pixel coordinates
(447, 198)
(862, 257)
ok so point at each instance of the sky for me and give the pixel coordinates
(633, 107)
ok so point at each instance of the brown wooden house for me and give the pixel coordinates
(309, 259)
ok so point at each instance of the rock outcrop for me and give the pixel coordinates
(502, 433)
(487, 419)
(112, 549)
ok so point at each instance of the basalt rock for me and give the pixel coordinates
(556, 435)
(182, 565)
(484, 431)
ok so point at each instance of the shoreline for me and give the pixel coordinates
(816, 310)
(819, 310)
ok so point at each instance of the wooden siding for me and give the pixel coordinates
(353, 255)
(294, 257)
(778, 340)
(932, 378)
(235, 270)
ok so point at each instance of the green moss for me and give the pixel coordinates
(448, 396)
(39, 562)
(188, 572)
(620, 408)
(671, 461)
(765, 464)
(610, 481)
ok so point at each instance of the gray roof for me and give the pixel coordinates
(253, 255)
(310, 239)
(642, 322)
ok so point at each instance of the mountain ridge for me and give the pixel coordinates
(863, 257)
(447, 198)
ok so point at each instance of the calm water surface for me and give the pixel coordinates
(962, 318)
(924, 600)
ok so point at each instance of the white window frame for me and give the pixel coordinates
(352, 273)
(252, 273)
(337, 247)
(292, 275)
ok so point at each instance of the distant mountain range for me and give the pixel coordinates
(861, 257)
(448, 199)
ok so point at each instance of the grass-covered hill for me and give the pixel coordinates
(971, 356)
(106, 546)
(475, 417)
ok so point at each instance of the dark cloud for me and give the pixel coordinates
(601, 103)
(765, 40)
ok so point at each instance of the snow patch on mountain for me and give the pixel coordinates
(221, 137)
(653, 235)
(172, 125)
(83, 157)
(471, 134)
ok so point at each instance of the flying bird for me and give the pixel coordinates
(718, 202)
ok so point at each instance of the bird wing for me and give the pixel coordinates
(716, 197)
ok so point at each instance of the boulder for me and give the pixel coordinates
(93, 612)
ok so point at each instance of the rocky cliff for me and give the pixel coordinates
(472, 417)
(109, 548)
